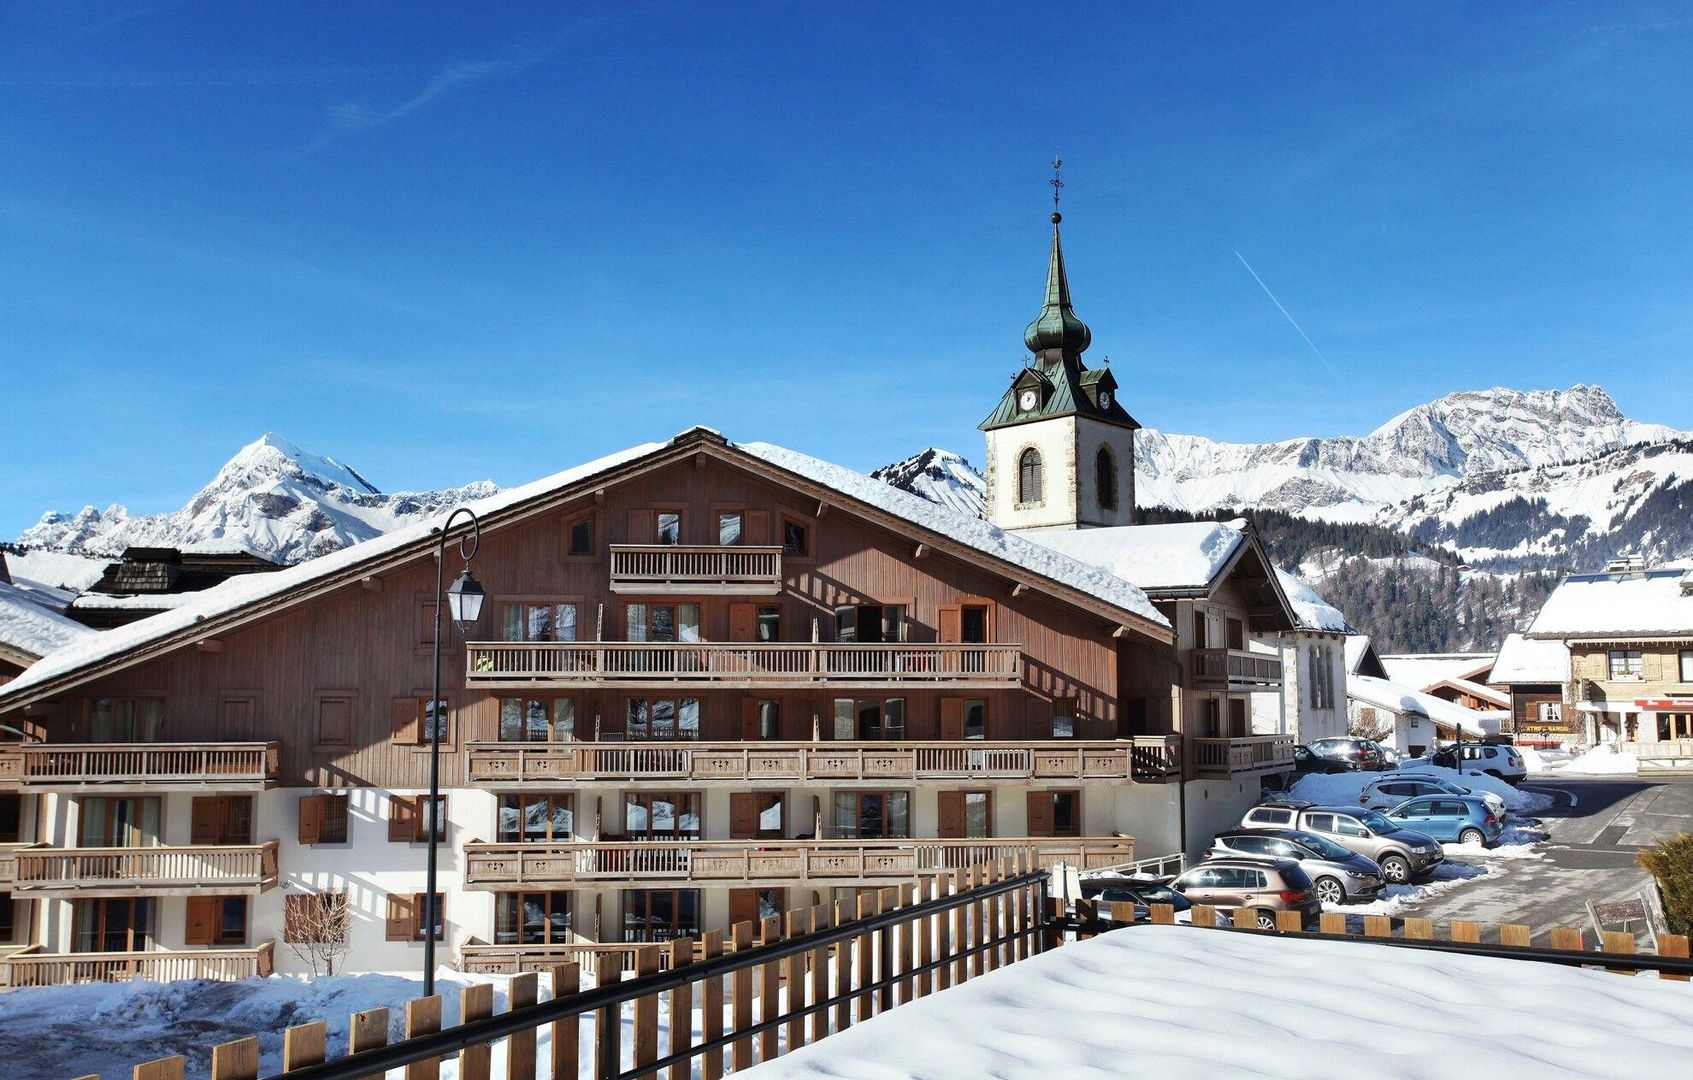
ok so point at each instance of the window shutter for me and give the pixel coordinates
(642, 527)
(402, 917)
(205, 820)
(743, 622)
(749, 719)
(743, 816)
(311, 818)
(952, 718)
(951, 624)
(1040, 813)
(403, 816)
(951, 815)
(743, 906)
(756, 528)
(408, 730)
(202, 923)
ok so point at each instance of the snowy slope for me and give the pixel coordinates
(272, 498)
(940, 476)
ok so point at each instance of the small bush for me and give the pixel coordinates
(1671, 863)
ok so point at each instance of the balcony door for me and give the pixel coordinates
(114, 924)
(118, 823)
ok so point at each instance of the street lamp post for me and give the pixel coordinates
(465, 597)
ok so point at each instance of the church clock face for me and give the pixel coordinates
(1026, 400)
(1105, 399)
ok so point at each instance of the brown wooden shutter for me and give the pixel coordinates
(311, 818)
(408, 727)
(202, 926)
(743, 622)
(756, 528)
(402, 917)
(404, 813)
(1040, 813)
(951, 815)
(238, 715)
(743, 906)
(749, 719)
(743, 815)
(952, 718)
(951, 623)
(643, 528)
(206, 817)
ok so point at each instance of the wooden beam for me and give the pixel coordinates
(1121, 632)
(1019, 589)
(209, 645)
(370, 583)
(922, 552)
(822, 508)
(599, 495)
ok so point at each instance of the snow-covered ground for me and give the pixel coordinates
(1176, 1002)
(1599, 761)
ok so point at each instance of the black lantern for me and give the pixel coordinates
(464, 599)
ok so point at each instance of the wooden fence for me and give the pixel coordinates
(819, 970)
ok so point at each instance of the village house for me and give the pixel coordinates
(1312, 705)
(1536, 676)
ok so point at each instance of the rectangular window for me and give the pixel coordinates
(1687, 665)
(126, 720)
(537, 622)
(769, 623)
(662, 622)
(114, 924)
(858, 623)
(730, 528)
(216, 920)
(532, 918)
(660, 914)
(581, 533)
(323, 819)
(538, 819)
(869, 718)
(756, 815)
(649, 815)
(1625, 664)
(409, 820)
(872, 815)
(221, 819)
(756, 905)
(316, 917)
(975, 719)
(669, 527)
(422, 917)
(1055, 813)
(11, 818)
(1064, 718)
(537, 719)
(796, 538)
(106, 821)
(663, 718)
(770, 719)
(8, 918)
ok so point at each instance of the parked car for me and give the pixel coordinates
(1389, 791)
(1140, 892)
(1354, 753)
(1265, 885)
(1463, 819)
(1493, 759)
(1337, 875)
(1402, 854)
(1390, 758)
(1304, 761)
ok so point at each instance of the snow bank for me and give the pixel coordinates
(1344, 789)
(1603, 761)
(1175, 1002)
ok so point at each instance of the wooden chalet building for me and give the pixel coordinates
(711, 680)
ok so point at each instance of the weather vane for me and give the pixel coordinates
(1056, 182)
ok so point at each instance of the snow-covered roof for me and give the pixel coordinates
(94, 601)
(1046, 560)
(29, 628)
(1310, 610)
(1398, 698)
(251, 589)
(1525, 660)
(1424, 671)
(1360, 653)
(58, 569)
(1182, 555)
(1480, 691)
(1650, 603)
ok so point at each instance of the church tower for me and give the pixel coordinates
(1061, 450)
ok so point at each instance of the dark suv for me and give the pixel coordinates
(1353, 753)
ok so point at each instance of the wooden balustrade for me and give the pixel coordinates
(504, 763)
(32, 968)
(11, 765)
(1235, 669)
(774, 862)
(1247, 756)
(158, 871)
(114, 767)
(9, 864)
(695, 568)
(745, 665)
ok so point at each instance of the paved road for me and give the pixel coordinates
(1595, 830)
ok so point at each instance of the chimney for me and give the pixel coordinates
(1626, 565)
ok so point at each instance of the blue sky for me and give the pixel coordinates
(443, 246)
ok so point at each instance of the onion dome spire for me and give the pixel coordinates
(1057, 333)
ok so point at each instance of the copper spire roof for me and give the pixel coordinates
(1057, 332)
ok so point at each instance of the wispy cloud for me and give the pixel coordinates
(350, 118)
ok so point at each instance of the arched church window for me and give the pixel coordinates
(1029, 477)
(1105, 479)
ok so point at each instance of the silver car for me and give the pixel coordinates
(1403, 855)
(1395, 788)
(1337, 876)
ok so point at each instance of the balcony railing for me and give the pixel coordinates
(505, 763)
(741, 665)
(31, 968)
(774, 862)
(517, 959)
(148, 766)
(160, 871)
(1247, 756)
(11, 765)
(1235, 669)
(9, 864)
(680, 568)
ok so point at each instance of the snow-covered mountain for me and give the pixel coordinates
(273, 499)
(940, 476)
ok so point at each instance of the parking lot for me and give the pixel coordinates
(1594, 831)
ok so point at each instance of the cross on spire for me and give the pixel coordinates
(1057, 183)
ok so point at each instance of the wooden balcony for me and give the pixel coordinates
(11, 765)
(9, 864)
(518, 959)
(29, 967)
(1235, 670)
(741, 665)
(149, 767)
(765, 862)
(153, 871)
(691, 570)
(505, 764)
(1249, 756)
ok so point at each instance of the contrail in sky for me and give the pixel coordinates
(1289, 315)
